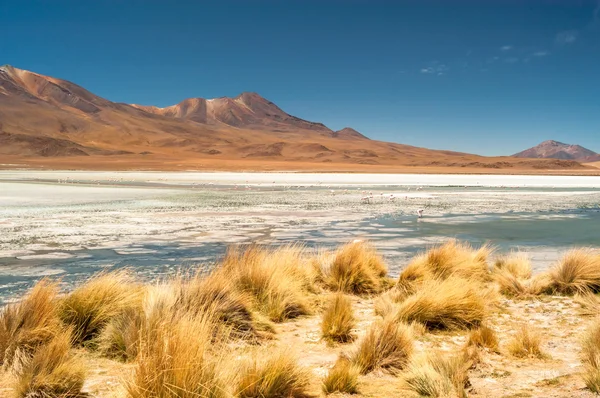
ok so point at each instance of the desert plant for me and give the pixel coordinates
(540, 284)
(90, 306)
(452, 258)
(52, 371)
(275, 278)
(516, 264)
(526, 343)
(218, 293)
(590, 350)
(338, 319)
(437, 375)
(589, 302)
(577, 272)
(387, 302)
(27, 324)
(452, 303)
(119, 339)
(273, 376)
(511, 285)
(180, 359)
(484, 337)
(356, 268)
(343, 377)
(388, 345)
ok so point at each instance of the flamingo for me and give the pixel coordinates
(420, 213)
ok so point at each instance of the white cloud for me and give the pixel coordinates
(506, 48)
(435, 69)
(566, 37)
(511, 60)
(540, 53)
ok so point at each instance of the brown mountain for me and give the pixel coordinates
(51, 122)
(557, 150)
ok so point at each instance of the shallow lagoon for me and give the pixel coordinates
(71, 224)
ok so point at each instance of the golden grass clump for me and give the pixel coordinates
(388, 345)
(277, 279)
(217, 292)
(338, 319)
(589, 302)
(273, 376)
(437, 375)
(52, 371)
(120, 338)
(356, 268)
(453, 303)
(387, 302)
(179, 358)
(590, 350)
(526, 344)
(577, 272)
(26, 325)
(452, 258)
(516, 264)
(343, 377)
(483, 337)
(92, 305)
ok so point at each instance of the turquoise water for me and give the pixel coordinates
(72, 231)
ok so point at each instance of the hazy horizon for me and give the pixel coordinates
(491, 79)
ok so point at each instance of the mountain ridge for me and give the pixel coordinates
(43, 117)
(551, 149)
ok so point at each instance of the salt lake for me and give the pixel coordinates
(70, 224)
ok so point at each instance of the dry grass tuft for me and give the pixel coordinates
(516, 264)
(511, 285)
(179, 359)
(388, 345)
(343, 377)
(511, 273)
(540, 284)
(277, 279)
(92, 305)
(356, 268)
(277, 375)
(119, 339)
(526, 344)
(453, 303)
(590, 350)
(338, 319)
(589, 302)
(453, 258)
(484, 337)
(577, 272)
(437, 375)
(217, 292)
(387, 302)
(26, 325)
(52, 371)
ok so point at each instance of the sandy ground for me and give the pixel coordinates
(114, 163)
(496, 375)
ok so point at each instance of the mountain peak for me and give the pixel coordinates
(349, 133)
(551, 149)
(552, 142)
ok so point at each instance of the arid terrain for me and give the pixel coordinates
(457, 322)
(51, 123)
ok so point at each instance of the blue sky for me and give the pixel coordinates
(489, 76)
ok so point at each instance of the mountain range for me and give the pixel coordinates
(557, 150)
(50, 122)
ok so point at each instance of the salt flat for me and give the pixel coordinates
(337, 179)
(75, 223)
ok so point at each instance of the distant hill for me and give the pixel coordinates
(557, 150)
(52, 122)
